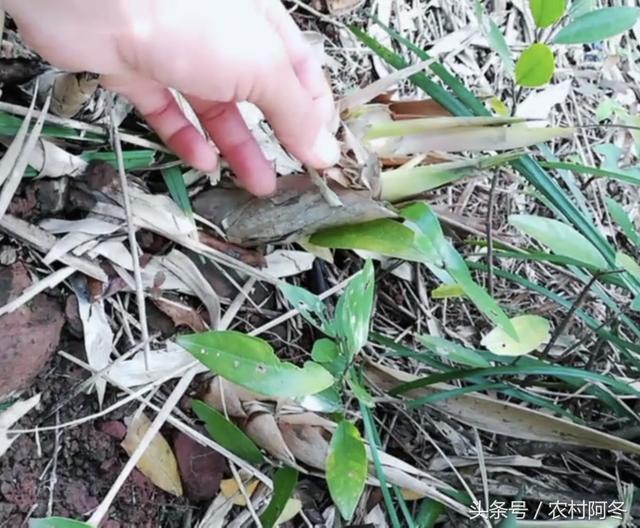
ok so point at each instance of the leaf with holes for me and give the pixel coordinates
(353, 312)
(535, 66)
(226, 433)
(547, 12)
(598, 25)
(310, 307)
(532, 330)
(251, 363)
(284, 484)
(346, 468)
(560, 238)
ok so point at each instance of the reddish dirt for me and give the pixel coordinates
(29, 335)
(88, 460)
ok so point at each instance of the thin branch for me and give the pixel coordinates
(133, 243)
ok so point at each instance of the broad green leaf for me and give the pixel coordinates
(57, 522)
(560, 238)
(433, 241)
(495, 37)
(628, 264)
(347, 468)
(353, 312)
(447, 291)
(532, 330)
(310, 306)
(284, 484)
(535, 66)
(226, 433)
(598, 25)
(325, 351)
(547, 12)
(453, 351)
(623, 220)
(251, 363)
(385, 236)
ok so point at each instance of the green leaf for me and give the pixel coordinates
(560, 238)
(284, 484)
(547, 12)
(494, 36)
(623, 176)
(226, 433)
(437, 248)
(430, 512)
(535, 66)
(628, 264)
(384, 236)
(347, 468)
(325, 351)
(453, 351)
(517, 370)
(581, 7)
(623, 220)
(251, 363)
(57, 522)
(532, 330)
(310, 306)
(447, 291)
(359, 390)
(353, 312)
(177, 189)
(598, 25)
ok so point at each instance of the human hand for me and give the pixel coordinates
(216, 53)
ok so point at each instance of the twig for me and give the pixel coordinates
(576, 304)
(131, 230)
(492, 193)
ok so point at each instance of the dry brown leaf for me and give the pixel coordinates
(501, 417)
(417, 109)
(307, 443)
(182, 266)
(181, 314)
(263, 430)
(234, 397)
(158, 462)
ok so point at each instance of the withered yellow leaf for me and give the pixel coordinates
(158, 462)
(229, 489)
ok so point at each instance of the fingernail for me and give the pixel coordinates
(326, 149)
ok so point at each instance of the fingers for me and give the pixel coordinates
(235, 141)
(297, 121)
(306, 66)
(161, 111)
